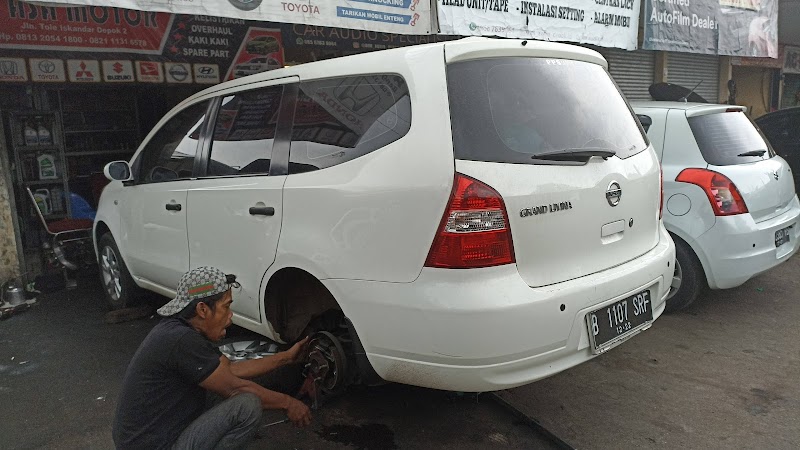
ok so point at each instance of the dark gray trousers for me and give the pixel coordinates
(229, 425)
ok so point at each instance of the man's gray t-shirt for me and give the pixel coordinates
(161, 393)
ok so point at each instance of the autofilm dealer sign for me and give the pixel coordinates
(723, 27)
(391, 16)
(608, 23)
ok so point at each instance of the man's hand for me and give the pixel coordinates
(298, 352)
(298, 413)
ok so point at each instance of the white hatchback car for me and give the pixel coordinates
(730, 203)
(471, 215)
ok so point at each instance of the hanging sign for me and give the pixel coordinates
(392, 16)
(715, 27)
(608, 23)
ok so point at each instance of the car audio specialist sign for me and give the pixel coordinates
(391, 16)
(608, 23)
(723, 27)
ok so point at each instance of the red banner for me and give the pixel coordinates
(87, 28)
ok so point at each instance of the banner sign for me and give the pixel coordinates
(791, 60)
(343, 39)
(607, 23)
(716, 27)
(391, 16)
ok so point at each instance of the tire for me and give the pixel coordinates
(689, 280)
(118, 286)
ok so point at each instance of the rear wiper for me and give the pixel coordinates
(575, 154)
(753, 153)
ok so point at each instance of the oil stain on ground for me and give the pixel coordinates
(370, 436)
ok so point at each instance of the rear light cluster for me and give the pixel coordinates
(474, 231)
(722, 193)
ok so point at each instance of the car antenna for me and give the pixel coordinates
(685, 98)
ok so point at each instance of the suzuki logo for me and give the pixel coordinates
(613, 193)
(118, 67)
(775, 174)
(8, 67)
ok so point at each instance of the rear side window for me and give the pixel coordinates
(339, 119)
(511, 109)
(726, 138)
(244, 133)
(170, 154)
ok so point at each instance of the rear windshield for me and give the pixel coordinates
(511, 109)
(723, 137)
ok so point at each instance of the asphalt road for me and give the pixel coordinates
(61, 367)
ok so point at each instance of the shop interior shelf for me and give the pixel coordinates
(119, 130)
(43, 182)
(99, 152)
(33, 148)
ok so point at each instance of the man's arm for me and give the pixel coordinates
(251, 368)
(223, 382)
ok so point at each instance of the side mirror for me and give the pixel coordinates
(117, 171)
(646, 121)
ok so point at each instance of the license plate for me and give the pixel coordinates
(612, 324)
(782, 236)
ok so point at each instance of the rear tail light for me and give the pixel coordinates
(474, 231)
(722, 193)
(661, 193)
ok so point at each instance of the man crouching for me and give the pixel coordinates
(162, 403)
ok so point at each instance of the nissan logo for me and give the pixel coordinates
(613, 193)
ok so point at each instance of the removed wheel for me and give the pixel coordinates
(118, 285)
(688, 281)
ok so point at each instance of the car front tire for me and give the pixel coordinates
(118, 286)
(688, 281)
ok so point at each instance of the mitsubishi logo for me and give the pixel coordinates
(83, 72)
(613, 193)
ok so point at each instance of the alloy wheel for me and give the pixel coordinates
(677, 280)
(109, 265)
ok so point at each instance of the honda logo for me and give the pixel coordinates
(8, 67)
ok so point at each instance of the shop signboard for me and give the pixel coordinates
(347, 40)
(13, 70)
(607, 23)
(791, 60)
(259, 51)
(83, 70)
(717, 27)
(391, 16)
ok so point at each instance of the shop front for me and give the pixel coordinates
(757, 84)
(790, 93)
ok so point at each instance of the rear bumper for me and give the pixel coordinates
(485, 329)
(737, 248)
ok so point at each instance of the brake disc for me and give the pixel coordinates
(327, 362)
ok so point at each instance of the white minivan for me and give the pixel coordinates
(471, 215)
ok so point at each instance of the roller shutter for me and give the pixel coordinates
(632, 70)
(688, 69)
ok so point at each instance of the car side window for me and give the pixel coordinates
(244, 133)
(339, 119)
(170, 154)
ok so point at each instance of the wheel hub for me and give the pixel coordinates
(327, 362)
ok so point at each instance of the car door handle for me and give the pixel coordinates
(262, 211)
(173, 206)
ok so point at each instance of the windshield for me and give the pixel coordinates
(512, 109)
(724, 139)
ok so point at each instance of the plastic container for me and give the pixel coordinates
(42, 197)
(43, 135)
(30, 134)
(47, 167)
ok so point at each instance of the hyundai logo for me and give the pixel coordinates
(613, 193)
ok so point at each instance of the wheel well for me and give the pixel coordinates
(99, 231)
(694, 255)
(296, 303)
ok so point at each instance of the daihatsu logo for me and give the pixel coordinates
(613, 193)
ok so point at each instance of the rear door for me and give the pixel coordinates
(236, 207)
(557, 140)
(732, 146)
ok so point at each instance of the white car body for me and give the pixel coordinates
(733, 248)
(364, 229)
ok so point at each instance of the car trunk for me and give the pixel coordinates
(559, 143)
(732, 146)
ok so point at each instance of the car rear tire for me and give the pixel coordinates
(689, 280)
(118, 286)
